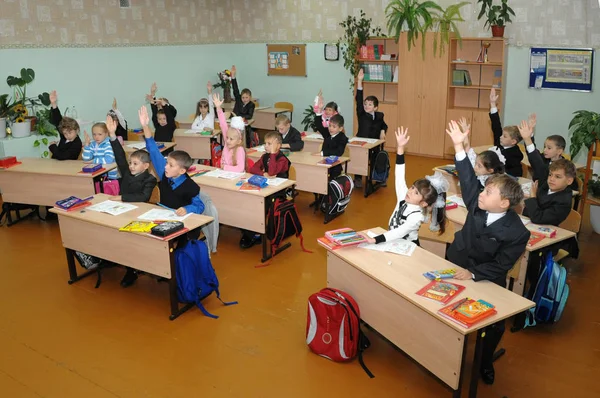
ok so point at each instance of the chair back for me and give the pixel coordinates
(572, 222)
(286, 105)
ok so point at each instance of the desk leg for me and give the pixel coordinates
(73, 277)
(456, 393)
(370, 187)
(476, 364)
(175, 311)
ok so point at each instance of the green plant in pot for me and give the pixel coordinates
(6, 113)
(309, 119)
(584, 130)
(412, 17)
(497, 16)
(356, 33)
(24, 105)
(443, 23)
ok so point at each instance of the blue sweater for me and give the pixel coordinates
(101, 153)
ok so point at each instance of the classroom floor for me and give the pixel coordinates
(61, 341)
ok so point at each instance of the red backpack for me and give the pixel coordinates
(333, 327)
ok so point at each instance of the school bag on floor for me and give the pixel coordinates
(550, 295)
(90, 262)
(283, 222)
(338, 195)
(196, 277)
(333, 327)
(381, 167)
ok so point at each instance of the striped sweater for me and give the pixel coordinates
(101, 153)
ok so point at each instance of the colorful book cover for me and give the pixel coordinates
(545, 230)
(246, 186)
(534, 238)
(340, 233)
(468, 312)
(451, 205)
(138, 226)
(441, 274)
(328, 244)
(69, 202)
(440, 291)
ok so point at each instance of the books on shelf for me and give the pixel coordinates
(545, 230)
(461, 77)
(468, 312)
(497, 80)
(378, 72)
(440, 291)
(373, 51)
(441, 274)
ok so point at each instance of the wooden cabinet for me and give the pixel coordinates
(422, 97)
(470, 83)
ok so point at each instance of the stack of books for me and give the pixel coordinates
(339, 238)
(467, 312)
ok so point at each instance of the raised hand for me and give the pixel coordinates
(53, 98)
(457, 136)
(87, 139)
(361, 75)
(114, 105)
(233, 71)
(525, 131)
(493, 97)
(532, 121)
(143, 116)
(111, 125)
(209, 87)
(402, 137)
(150, 98)
(534, 188)
(153, 89)
(464, 125)
(217, 101)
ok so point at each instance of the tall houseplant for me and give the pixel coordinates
(24, 105)
(356, 33)
(584, 130)
(309, 119)
(497, 16)
(443, 23)
(412, 17)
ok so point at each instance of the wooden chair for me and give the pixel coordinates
(155, 197)
(577, 195)
(573, 224)
(285, 105)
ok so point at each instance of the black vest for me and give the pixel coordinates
(181, 196)
(265, 161)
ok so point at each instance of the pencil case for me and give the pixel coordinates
(90, 168)
(166, 228)
(259, 181)
(331, 159)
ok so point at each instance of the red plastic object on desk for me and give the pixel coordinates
(8, 161)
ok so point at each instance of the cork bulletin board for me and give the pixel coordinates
(286, 60)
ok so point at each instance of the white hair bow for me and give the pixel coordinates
(237, 122)
(497, 151)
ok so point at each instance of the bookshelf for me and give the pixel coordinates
(470, 83)
(379, 80)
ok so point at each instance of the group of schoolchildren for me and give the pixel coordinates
(488, 245)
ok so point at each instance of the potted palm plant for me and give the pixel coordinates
(443, 23)
(497, 16)
(412, 17)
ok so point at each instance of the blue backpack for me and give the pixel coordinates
(381, 167)
(196, 278)
(551, 294)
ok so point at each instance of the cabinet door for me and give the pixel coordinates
(455, 114)
(481, 129)
(390, 115)
(410, 67)
(434, 82)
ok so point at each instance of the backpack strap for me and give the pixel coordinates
(224, 302)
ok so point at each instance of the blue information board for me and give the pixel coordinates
(561, 68)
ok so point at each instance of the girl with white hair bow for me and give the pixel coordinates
(414, 202)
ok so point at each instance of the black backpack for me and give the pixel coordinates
(283, 222)
(381, 167)
(338, 196)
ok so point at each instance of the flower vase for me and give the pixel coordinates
(2, 127)
(20, 130)
(227, 94)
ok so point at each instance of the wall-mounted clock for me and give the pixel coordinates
(332, 52)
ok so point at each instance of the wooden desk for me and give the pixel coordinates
(265, 118)
(312, 145)
(197, 145)
(129, 150)
(385, 293)
(360, 161)
(42, 182)
(310, 176)
(458, 217)
(243, 209)
(98, 234)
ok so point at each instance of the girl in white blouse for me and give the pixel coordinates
(205, 113)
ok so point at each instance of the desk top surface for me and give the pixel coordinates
(302, 157)
(182, 133)
(229, 185)
(368, 145)
(56, 167)
(271, 110)
(404, 276)
(129, 149)
(458, 215)
(116, 222)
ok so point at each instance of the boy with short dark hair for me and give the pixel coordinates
(163, 117)
(506, 140)
(334, 140)
(370, 121)
(492, 239)
(551, 196)
(273, 163)
(243, 107)
(290, 137)
(69, 146)
(137, 183)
